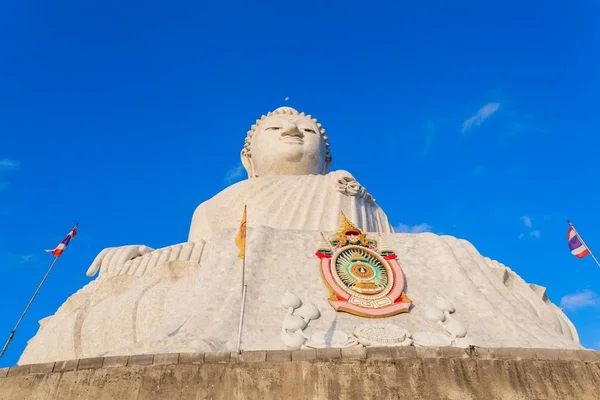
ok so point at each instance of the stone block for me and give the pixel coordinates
(428, 352)
(140, 359)
(44, 368)
(501, 353)
(378, 352)
(191, 358)
(482, 353)
(115, 361)
(253, 356)
(66, 365)
(354, 353)
(235, 357)
(454, 352)
(19, 370)
(304, 355)
(547, 354)
(279, 355)
(584, 355)
(90, 363)
(329, 353)
(166, 359)
(3, 372)
(568, 355)
(523, 353)
(217, 357)
(403, 352)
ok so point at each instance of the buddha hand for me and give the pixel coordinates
(346, 184)
(112, 257)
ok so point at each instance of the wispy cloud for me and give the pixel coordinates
(286, 98)
(555, 217)
(402, 228)
(234, 174)
(27, 258)
(9, 164)
(429, 136)
(586, 298)
(536, 233)
(480, 116)
(9, 259)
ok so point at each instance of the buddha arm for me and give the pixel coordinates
(143, 263)
(198, 225)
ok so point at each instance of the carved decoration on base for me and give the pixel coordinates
(297, 318)
(455, 332)
(363, 276)
(382, 335)
(324, 339)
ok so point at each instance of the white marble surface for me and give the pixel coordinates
(194, 305)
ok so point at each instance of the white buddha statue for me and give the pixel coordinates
(187, 297)
(289, 186)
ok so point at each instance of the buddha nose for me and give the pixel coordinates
(291, 129)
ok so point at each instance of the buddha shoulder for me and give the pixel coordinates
(335, 181)
(284, 202)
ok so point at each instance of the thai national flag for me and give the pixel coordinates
(65, 242)
(577, 247)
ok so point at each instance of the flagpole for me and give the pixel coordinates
(239, 345)
(12, 334)
(244, 257)
(244, 288)
(583, 243)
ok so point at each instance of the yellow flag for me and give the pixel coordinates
(240, 239)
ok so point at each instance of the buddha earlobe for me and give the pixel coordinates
(326, 166)
(248, 164)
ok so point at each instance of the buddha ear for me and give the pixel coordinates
(326, 167)
(248, 164)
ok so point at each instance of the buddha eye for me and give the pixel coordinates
(275, 128)
(309, 130)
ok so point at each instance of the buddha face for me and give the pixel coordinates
(285, 144)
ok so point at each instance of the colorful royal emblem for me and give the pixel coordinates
(363, 277)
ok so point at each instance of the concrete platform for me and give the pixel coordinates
(355, 373)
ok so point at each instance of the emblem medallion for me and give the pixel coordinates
(363, 276)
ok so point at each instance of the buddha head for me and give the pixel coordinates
(286, 142)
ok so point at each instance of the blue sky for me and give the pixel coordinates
(470, 119)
